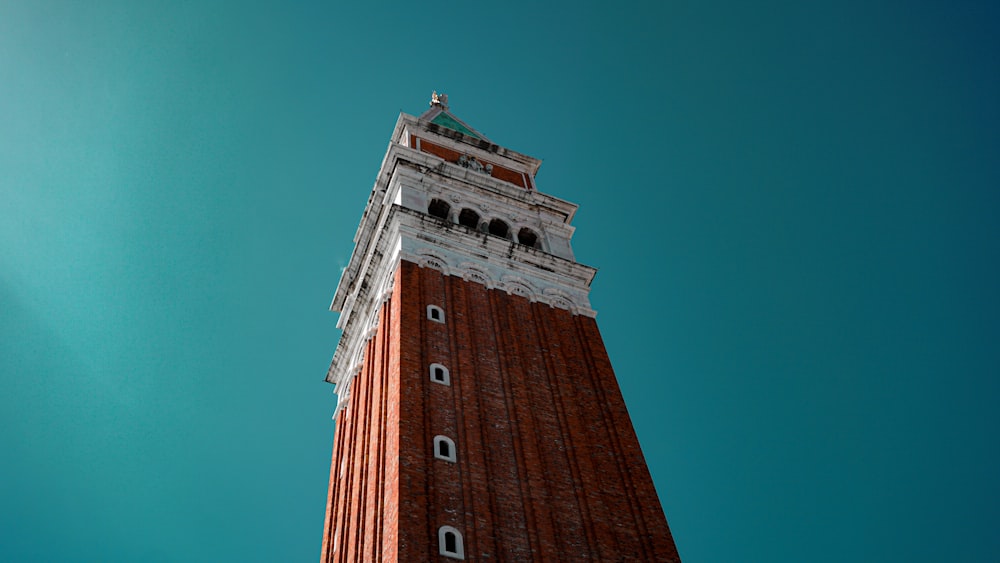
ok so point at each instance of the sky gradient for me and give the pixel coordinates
(793, 206)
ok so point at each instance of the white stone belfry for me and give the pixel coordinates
(448, 198)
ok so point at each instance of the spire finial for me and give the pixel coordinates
(439, 100)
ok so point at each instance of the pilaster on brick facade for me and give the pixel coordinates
(478, 416)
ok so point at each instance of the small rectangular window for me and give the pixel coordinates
(444, 448)
(439, 374)
(435, 313)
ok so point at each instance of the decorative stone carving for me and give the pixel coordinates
(428, 259)
(470, 162)
(471, 273)
(561, 303)
(521, 290)
(519, 286)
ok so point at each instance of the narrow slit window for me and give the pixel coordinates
(435, 313)
(439, 374)
(444, 448)
(450, 543)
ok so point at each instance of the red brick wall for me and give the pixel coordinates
(363, 501)
(549, 467)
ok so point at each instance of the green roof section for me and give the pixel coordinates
(445, 120)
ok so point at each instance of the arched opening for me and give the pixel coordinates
(439, 208)
(499, 228)
(527, 237)
(469, 218)
(450, 543)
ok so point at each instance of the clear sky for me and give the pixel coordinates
(794, 206)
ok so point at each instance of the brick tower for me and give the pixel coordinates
(478, 417)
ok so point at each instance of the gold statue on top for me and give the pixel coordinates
(439, 100)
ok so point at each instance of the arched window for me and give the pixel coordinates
(469, 218)
(435, 313)
(444, 448)
(439, 374)
(439, 208)
(499, 228)
(450, 543)
(528, 237)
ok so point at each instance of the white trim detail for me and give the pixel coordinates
(450, 446)
(459, 551)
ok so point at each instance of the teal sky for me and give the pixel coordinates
(794, 206)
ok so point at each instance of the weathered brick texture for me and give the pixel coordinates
(549, 467)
